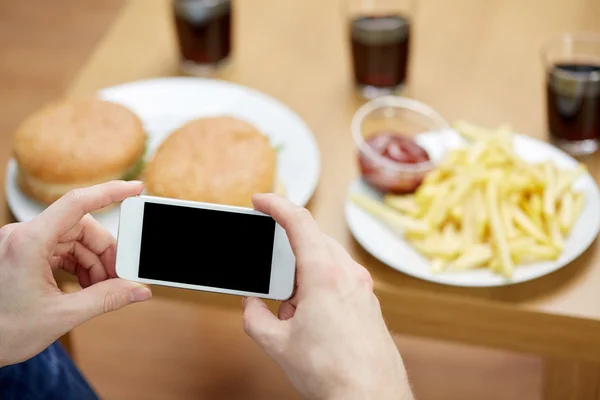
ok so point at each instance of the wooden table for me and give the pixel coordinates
(472, 59)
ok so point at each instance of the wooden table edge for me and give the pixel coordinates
(419, 313)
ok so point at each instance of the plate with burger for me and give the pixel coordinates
(187, 138)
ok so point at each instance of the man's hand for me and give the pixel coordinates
(34, 312)
(330, 338)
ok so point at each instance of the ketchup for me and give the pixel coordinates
(398, 149)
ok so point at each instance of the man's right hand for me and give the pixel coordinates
(330, 338)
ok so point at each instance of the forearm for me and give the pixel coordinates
(4, 345)
(388, 384)
(399, 391)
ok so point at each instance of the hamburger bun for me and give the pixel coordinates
(220, 160)
(76, 143)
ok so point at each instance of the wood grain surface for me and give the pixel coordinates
(176, 350)
(39, 56)
(474, 60)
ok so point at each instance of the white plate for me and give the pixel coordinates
(398, 254)
(165, 104)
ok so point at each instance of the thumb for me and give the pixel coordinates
(103, 297)
(261, 325)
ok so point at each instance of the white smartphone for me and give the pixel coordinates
(201, 246)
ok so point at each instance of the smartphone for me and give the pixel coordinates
(201, 246)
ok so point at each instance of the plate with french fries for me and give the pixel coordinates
(500, 208)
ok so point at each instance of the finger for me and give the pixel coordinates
(85, 258)
(67, 263)
(261, 325)
(101, 298)
(66, 212)
(97, 239)
(83, 276)
(340, 253)
(6, 230)
(303, 233)
(286, 311)
(343, 258)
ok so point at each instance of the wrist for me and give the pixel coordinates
(395, 392)
(389, 383)
(3, 360)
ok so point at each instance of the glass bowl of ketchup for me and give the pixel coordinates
(398, 140)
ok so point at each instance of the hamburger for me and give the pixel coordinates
(219, 159)
(76, 143)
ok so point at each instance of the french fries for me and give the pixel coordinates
(485, 207)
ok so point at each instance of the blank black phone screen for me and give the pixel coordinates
(207, 247)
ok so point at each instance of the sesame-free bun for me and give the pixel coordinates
(220, 160)
(76, 143)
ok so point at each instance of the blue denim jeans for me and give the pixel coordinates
(51, 375)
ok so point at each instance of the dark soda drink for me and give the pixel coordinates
(380, 50)
(573, 102)
(203, 30)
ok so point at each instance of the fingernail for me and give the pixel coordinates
(138, 294)
(135, 182)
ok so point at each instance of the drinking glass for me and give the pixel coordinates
(572, 64)
(380, 33)
(203, 29)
